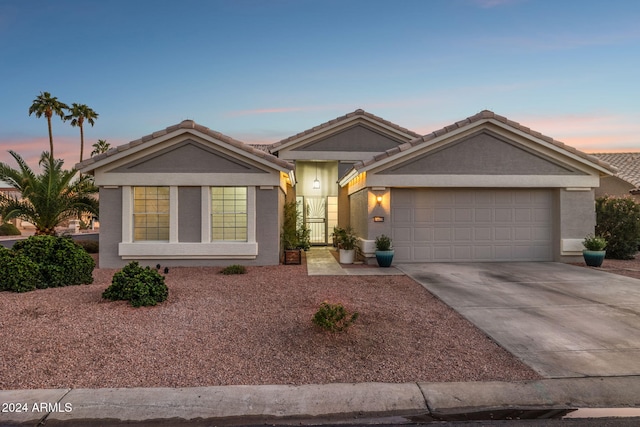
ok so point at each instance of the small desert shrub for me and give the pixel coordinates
(17, 272)
(334, 317)
(8, 229)
(91, 246)
(60, 261)
(234, 269)
(140, 286)
(618, 221)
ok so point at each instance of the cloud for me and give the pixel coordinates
(30, 149)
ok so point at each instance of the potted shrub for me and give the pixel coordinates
(347, 245)
(289, 235)
(594, 252)
(384, 253)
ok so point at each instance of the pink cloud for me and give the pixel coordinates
(590, 132)
(30, 149)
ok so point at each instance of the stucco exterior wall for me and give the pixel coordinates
(110, 227)
(189, 214)
(268, 214)
(358, 218)
(614, 186)
(577, 218)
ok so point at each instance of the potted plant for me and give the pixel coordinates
(384, 253)
(594, 252)
(334, 236)
(347, 245)
(289, 237)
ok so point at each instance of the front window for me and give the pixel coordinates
(229, 213)
(150, 213)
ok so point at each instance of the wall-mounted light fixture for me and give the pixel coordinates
(316, 182)
(379, 200)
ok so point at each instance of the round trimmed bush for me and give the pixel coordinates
(140, 286)
(60, 261)
(618, 221)
(17, 272)
(8, 229)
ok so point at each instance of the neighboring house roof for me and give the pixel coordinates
(628, 165)
(261, 147)
(185, 125)
(484, 115)
(357, 113)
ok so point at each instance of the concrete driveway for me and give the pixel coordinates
(562, 320)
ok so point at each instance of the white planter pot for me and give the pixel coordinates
(347, 256)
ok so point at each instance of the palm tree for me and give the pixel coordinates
(48, 198)
(80, 113)
(102, 146)
(47, 105)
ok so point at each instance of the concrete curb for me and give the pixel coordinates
(269, 403)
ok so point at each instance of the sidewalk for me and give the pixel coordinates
(320, 262)
(353, 403)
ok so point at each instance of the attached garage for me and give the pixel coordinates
(441, 225)
(483, 189)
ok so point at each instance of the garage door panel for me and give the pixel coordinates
(402, 215)
(423, 215)
(483, 215)
(473, 225)
(463, 234)
(401, 234)
(463, 214)
(482, 234)
(423, 234)
(442, 214)
(503, 234)
(442, 234)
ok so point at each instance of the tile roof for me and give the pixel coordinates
(188, 124)
(358, 112)
(628, 165)
(483, 115)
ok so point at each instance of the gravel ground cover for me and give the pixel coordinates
(629, 268)
(241, 329)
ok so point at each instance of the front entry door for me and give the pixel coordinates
(316, 219)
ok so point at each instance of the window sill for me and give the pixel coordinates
(166, 250)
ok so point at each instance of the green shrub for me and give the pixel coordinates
(234, 269)
(17, 272)
(334, 317)
(91, 246)
(383, 243)
(8, 229)
(594, 243)
(618, 221)
(140, 286)
(60, 261)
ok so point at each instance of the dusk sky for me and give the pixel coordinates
(260, 71)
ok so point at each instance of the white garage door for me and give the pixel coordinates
(472, 225)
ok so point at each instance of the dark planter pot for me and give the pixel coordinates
(384, 258)
(593, 258)
(293, 256)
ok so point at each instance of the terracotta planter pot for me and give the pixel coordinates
(293, 256)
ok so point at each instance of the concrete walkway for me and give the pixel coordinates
(318, 403)
(320, 262)
(562, 320)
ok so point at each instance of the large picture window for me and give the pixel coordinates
(150, 213)
(229, 213)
